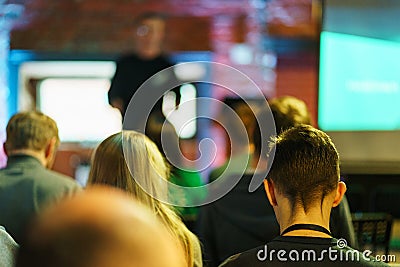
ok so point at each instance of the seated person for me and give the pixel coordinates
(237, 222)
(141, 179)
(27, 184)
(238, 147)
(289, 111)
(302, 186)
(100, 227)
(8, 249)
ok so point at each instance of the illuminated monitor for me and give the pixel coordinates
(80, 108)
(359, 81)
(359, 85)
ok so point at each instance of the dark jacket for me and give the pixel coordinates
(26, 186)
(240, 221)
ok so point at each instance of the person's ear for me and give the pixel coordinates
(341, 189)
(270, 190)
(5, 149)
(50, 150)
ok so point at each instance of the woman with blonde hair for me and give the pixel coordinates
(144, 178)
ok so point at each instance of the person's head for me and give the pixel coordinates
(287, 111)
(100, 227)
(304, 173)
(147, 168)
(149, 34)
(32, 133)
(109, 166)
(239, 120)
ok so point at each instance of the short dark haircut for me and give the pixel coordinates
(305, 167)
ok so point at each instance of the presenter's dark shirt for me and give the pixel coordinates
(131, 72)
(301, 251)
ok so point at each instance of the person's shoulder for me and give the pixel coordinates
(247, 258)
(52, 179)
(127, 58)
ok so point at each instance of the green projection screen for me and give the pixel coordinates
(359, 83)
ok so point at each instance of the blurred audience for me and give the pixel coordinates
(101, 227)
(26, 183)
(239, 145)
(8, 249)
(302, 186)
(146, 163)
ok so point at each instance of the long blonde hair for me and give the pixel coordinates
(109, 166)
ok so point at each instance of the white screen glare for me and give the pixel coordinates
(80, 108)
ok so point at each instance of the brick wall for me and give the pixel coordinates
(105, 27)
(96, 27)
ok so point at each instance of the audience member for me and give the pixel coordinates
(8, 249)
(134, 69)
(302, 186)
(164, 133)
(238, 222)
(238, 147)
(101, 227)
(27, 184)
(147, 163)
(289, 111)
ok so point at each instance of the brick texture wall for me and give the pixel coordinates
(96, 27)
(105, 27)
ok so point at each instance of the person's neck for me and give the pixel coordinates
(149, 54)
(299, 216)
(39, 155)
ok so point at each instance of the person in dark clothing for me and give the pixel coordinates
(27, 184)
(242, 220)
(238, 221)
(134, 69)
(302, 186)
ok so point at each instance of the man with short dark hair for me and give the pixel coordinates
(27, 184)
(302, 186)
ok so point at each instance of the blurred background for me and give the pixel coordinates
(58, 56)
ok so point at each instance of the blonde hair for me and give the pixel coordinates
(147, 164)
(30, 130)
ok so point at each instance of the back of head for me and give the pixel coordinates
(239, 121)
(130, 161)
(30, 130)
(289, 111)
(305, 167)
(98, 228)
